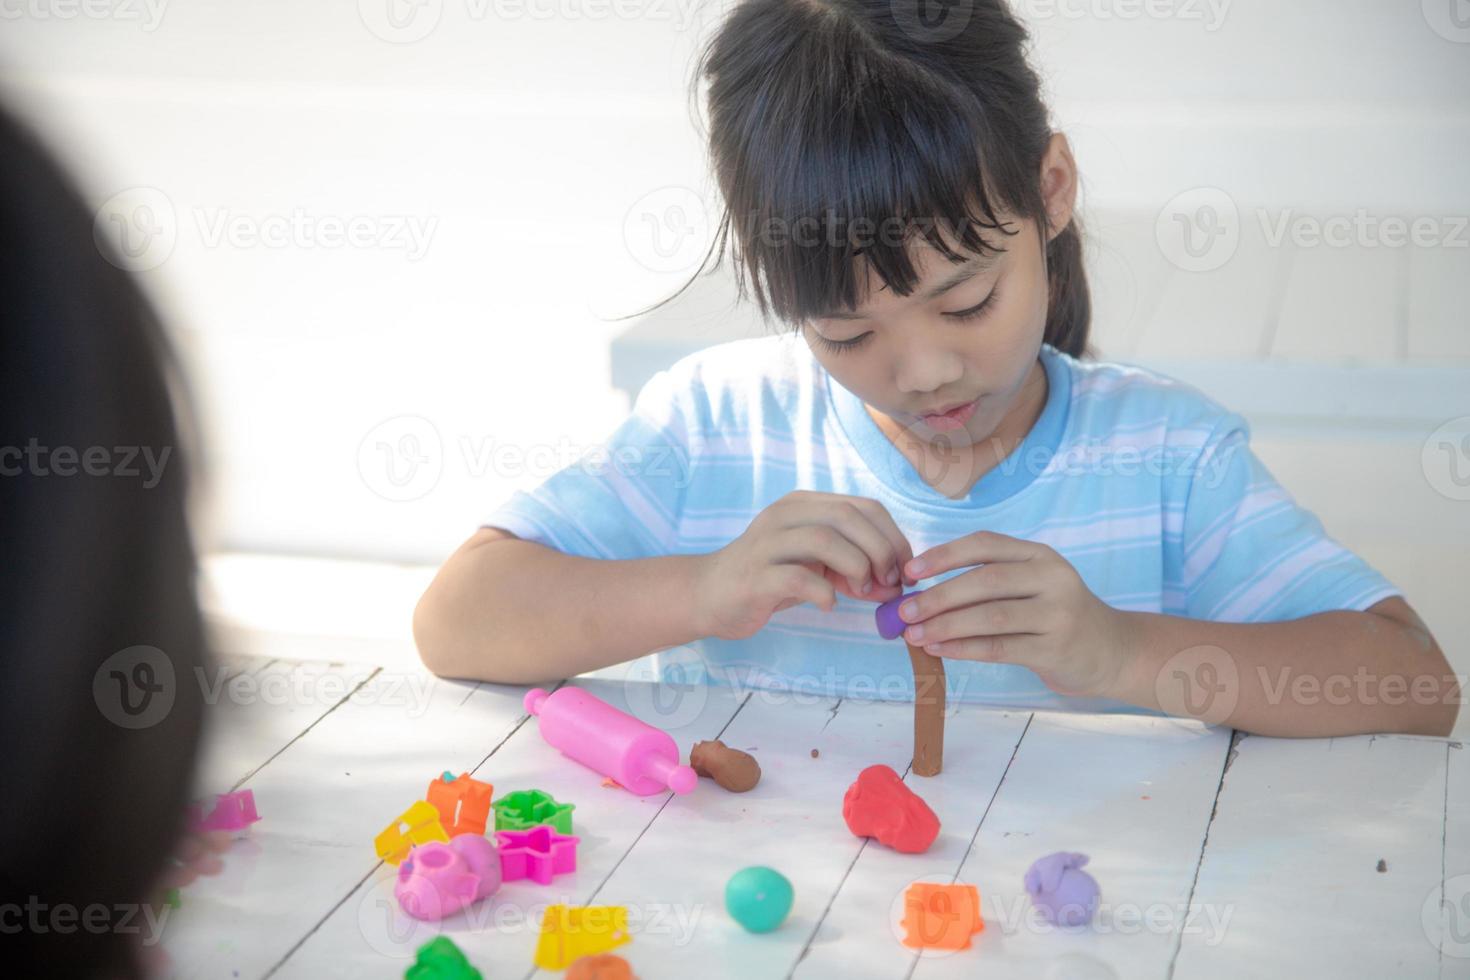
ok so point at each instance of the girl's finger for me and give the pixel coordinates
(1000, 580)
(878, 593)
(208, 864)
(801, 584)
(825, 544)
(1009, 648)
(845, 516)
(995, 618)
(972, 549)
(178, 876)
(878, 515)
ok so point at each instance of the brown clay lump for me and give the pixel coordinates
(734, 770)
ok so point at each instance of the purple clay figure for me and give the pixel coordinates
(1062, 892)
(890, 623)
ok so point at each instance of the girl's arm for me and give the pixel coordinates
(510, 611)
(1333, 673)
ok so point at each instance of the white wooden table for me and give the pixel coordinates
(1217, 857)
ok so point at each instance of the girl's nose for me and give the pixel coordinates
(923, 370)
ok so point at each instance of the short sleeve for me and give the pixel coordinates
(621, 499)
(1250, 553)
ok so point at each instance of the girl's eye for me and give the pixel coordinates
(838, 346)
(974, 312)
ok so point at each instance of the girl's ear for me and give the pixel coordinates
(1058, 184)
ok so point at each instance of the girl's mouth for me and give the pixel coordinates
(951, 420)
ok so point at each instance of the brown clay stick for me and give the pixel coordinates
(928, 712)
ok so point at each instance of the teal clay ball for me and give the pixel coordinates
(758, 898)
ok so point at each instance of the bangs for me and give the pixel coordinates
(855, 170)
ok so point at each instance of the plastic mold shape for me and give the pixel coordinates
(527, 808)
(436, 879)
(570, 932)
(878, 804)
(1062, 892)
(941, 916)
(231, 811)
(440, 959)
(538, 854)
(463, 803)
(419, 824)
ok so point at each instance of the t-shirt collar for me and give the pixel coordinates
(1019, 468)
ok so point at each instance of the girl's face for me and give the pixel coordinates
(966, 339)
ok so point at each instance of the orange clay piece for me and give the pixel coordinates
(941, 916)
(734, 770)
(463, 803)
(603, 966)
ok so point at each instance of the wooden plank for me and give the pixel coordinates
(1446, 913)
(1134, 793)
(1293, 853)
(367, 934)
(321, 801)
(855, 938)
(792, 821)
(252, 714)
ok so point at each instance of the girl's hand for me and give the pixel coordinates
(1024, 605)
(196, 854)
(805, 547)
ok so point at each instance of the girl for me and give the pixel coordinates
(1087, 533)
(99, 564)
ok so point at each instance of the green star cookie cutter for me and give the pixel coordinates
(527, 808)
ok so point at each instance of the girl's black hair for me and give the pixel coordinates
(840, 127)
(95, 558)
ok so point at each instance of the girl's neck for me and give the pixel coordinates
(954, 470)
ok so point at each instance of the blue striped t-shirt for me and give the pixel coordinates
(1148, 487)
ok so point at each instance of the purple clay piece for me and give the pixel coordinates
(890, 624)
(1062, 892)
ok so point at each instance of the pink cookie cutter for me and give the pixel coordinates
(437, 879)
(231, 811)
(538, 854)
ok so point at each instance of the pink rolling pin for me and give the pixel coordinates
(641, 758)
